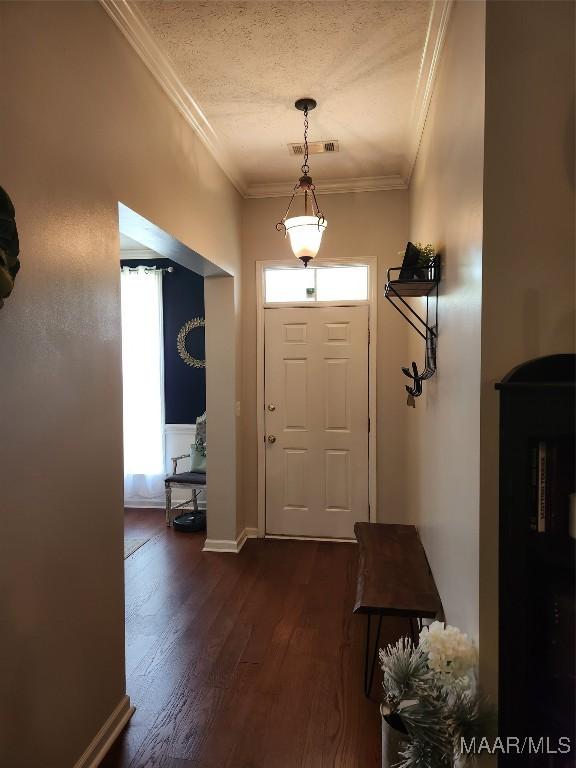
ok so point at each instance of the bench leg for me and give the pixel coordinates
(370, 664)
(415, 629)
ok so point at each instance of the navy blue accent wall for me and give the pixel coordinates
(183, 299)
(184, 386)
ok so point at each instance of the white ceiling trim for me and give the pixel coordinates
(330, 187)
(135, 29)
(139, 253)
(433, 45)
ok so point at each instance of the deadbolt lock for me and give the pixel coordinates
(271, 439)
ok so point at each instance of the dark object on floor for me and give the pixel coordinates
(394, 579)
(190, 522)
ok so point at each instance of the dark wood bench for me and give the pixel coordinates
(394, 579)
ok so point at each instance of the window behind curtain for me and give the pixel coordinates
(142, 374)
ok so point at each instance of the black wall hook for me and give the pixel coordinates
(416, 390)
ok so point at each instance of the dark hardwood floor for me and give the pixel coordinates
(244, 661)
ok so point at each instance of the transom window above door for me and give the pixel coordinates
(314, 284)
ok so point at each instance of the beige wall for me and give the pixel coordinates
(83, 126)
(369, 224)
(224, 522)
(446, 210)
(529, 256)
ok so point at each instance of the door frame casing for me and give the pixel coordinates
(372, 303)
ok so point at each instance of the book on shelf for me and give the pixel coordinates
(552, 480)
(542, 468)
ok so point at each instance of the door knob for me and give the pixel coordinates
(271, 439)
(271, 407)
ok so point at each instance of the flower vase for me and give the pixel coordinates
(393, 736)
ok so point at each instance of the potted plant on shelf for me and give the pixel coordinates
(431, 700)
(419, 262)
(426, 261)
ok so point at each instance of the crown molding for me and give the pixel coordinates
(330, 186)
(136, 31)
(435, 35)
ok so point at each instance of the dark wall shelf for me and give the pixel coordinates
(410, 288)
(424, 283)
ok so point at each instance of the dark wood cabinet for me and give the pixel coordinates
(537, 556)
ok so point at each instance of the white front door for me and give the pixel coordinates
(316, 406)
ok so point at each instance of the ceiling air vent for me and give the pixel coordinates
(314, 147)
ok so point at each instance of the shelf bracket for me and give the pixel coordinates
(396, 292)
(428, 330)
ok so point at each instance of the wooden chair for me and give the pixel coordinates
(194, 480)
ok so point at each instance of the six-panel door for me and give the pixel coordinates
(316, 406)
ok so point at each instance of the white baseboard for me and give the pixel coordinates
(247, 533)
(106, 736)
(162, 505)
(220, 545)
(144, 504)
(230, 545)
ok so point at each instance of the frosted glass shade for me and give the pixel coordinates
(305, 235)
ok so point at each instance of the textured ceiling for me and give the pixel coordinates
(245, 63)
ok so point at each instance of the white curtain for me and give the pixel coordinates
(143, 382)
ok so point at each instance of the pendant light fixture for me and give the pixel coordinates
(305, 232)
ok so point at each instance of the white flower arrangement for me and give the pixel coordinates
(451, 655)
(431, 696)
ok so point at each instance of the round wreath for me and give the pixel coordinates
(196, 322)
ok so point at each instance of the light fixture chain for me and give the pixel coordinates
(305, 166)
(304, 240)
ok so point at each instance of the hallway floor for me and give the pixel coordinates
(244, 661)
